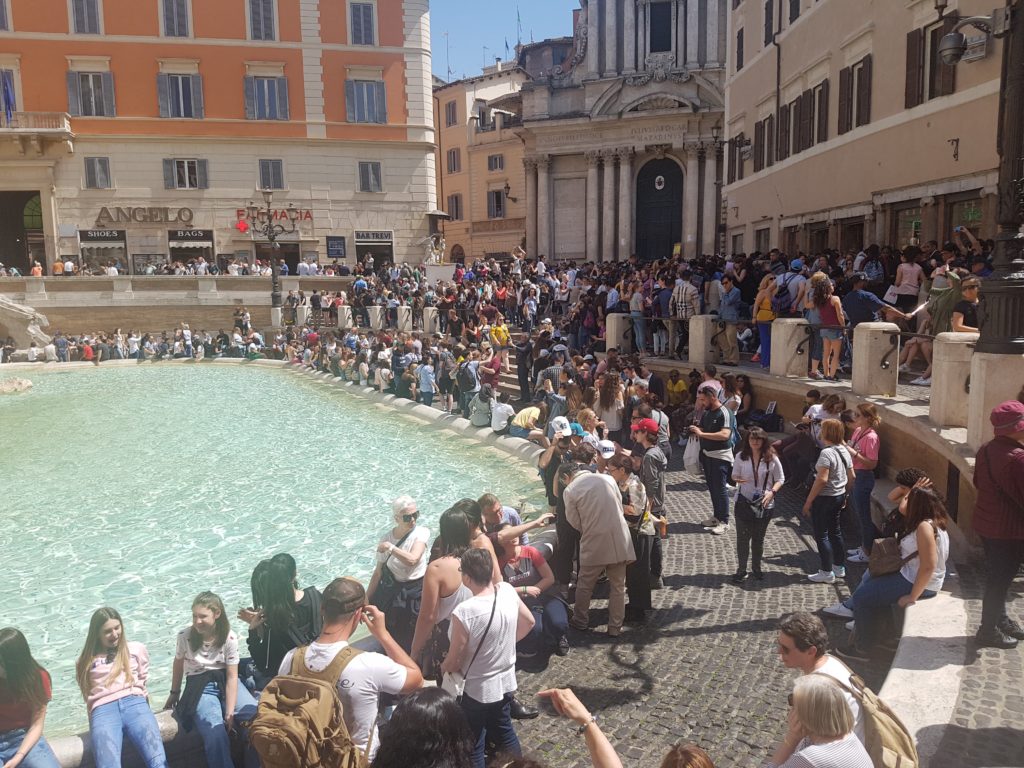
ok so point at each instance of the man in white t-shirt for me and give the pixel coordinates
(803, 641)
(367, 675)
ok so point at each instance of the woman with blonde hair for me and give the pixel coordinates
(764, 315)
(864, 449)
(820, 731)
(111, 673)
(833, 476)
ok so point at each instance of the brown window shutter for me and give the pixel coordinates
(823, 112)
(947, 73)
(783, 132)
(758, 146)
(915, 68)
(769, 140)
(864, 92)
(807, 119)
(732, 160)
(739, 156)
(845, 99)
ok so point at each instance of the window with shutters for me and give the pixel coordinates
(739, 50)
(737, 243)
(927, 77)
(186, 174)
(794, 10)
(769, 140)
(176, 18)
(451, 113)
(762, 239)
(455, 207)
(7, 87)
(362, 29)
(758, 145)
(496, 204)
(5, 17)
(366, 101)
(454, 160)
(370, 177)
(769, 21)
(94, 94)
(261, 20)
(660, 25)
(820, 100)
(85, 17)
(784, 132)
(97, 173)
(266, 98)
(179, 96)
(861, 92)
(740, 141)
(495, 162)
(272, 174)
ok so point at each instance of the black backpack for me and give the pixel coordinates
(465, 378)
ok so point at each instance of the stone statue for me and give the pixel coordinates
(22, 323)
(14, 386)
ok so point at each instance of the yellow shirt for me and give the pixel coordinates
(527, 418)
(499, 336)
(676, 392)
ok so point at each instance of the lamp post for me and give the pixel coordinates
(1002, 310)
(261, 222)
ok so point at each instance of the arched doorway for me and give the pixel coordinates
(21, 230)
(659, 209)
(458, 254)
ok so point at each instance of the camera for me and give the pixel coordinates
(952, 48)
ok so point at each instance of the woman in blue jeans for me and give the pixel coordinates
(24, 694)
(206, 656)
(864, 448)
(833, 476)
(111, 674)
(924, 548)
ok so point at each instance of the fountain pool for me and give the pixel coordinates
(138, 487)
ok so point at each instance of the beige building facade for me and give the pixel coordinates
(845, 128)
(480, 174)
(622, 125)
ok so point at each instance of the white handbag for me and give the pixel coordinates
(890, 295)
(691, 456)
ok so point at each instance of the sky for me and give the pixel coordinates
(479, 29)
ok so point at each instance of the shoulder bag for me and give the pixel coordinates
(753, 509)
(455, 682)
(885, 555)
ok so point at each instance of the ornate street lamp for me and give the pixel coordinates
(1002, 308)
(262, 223)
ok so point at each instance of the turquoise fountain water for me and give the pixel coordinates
(138, 487)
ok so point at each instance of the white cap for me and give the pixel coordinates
(560, 426)
(606, 448)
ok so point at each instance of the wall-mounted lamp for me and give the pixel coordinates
(508, 189)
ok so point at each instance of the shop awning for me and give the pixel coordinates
(103, 246)
(190, 244)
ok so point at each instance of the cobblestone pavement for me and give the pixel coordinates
(704, 668)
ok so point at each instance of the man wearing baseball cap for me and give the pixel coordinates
(653, 466)
(999, 520)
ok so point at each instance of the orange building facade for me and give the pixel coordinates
(137, 132)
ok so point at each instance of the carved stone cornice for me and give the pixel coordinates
(608, 155)
(659, 150)
(579, 45)
(625, 154)
(542, 161)
(692, 148)
(593, 157)
(530, 164)
(659, 67)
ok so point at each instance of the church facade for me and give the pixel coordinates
(622, 126)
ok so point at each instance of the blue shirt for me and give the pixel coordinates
(860, 306)
(511, 516)
(730, 308)
(425, 374)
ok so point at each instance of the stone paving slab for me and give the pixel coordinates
(705, 667)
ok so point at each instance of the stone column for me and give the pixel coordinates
(692, 35)
(712, 59)
(872, 344)
(642, 38)
(543, 207)
(629, 36)
(709, 236)
(951, 369)
(691, 192)
(625, 244)
(995, 378)
(593, 40)
(530, 164)
(593, 204)
(611, 37)
(677, 34)
(608, 207)
(702, 332)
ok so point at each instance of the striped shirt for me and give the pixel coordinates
(848, 752)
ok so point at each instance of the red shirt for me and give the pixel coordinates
(999, 478)
(17, 714)
(87, 353)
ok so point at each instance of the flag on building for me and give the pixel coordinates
(7, 86)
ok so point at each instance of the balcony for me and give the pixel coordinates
(33, 133)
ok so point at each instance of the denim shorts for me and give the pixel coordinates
(516, 431)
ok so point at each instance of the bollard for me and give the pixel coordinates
(702, 333)
(405, 319)
(619, 332)
(345, 318)
(876, 359)
(788, 357)
(430, 319)
(951, 370)
(275, 317)
(377, 316)
(995, 378)
(301, 314)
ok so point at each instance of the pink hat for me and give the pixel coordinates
(1008, 418)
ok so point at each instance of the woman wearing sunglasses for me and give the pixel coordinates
(396, 586)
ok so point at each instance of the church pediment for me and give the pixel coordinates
(648, 91)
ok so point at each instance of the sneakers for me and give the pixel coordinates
(995, 638)
(839, 571)
(579, 627)
(739, 577)
(822, 577)
(711, 522)
(563, 646)
(921, 381)
(853, 551)
(817, 376)
(857, 557)
(1011, 628)
(905, 368)
(720, 529)
(850, 625)
(839, 610)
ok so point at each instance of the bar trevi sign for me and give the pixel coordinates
(107, 217)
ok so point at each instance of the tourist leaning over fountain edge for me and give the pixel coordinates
(111, 673)
(24, 693)
(207, 656)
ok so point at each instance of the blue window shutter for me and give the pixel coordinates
(265, 174)
(163, 95)
(197, 97)
(90, 172)
(381, 99)
(250, 97)
(169, 174)
(109, 106)
(282, 98)
(74, 95)
(202, 174)
(350, 101)
(368, 25)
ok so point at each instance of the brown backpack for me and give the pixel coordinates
(300, 723)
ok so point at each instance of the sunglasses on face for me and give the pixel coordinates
(409, 517)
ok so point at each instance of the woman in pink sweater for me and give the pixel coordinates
(112, 675)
